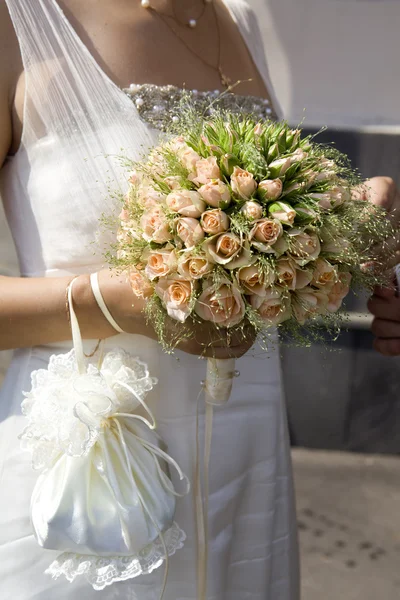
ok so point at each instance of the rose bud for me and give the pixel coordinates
(283, 212)
(243, 183)
(227, 163)
(214, 221)
(252, 210)
(292, 137)
(273, 152)
(279, 167)
(270, 189)
(216, 194)
(304, 214)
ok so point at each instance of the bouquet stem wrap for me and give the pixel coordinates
(219, 380)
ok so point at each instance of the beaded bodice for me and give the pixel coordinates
(157, 105)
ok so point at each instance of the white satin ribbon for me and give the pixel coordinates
(217, 390)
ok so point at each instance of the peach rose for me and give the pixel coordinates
(214, 221)
(160, 263)
(325, 275)
(186, 203)
(265, 233)
(339, 291)
(253, 279)
(205, 170)
(227, 249)
(303, 247)
(194, 266)
(216, 193)
(155, 226)
(252, 210)
(190, 231)
(140, 285)
(243, 183)
(290, 276)
(270, 189)
(272, 307)
(175, 294)
(221, 304)
(307, 303)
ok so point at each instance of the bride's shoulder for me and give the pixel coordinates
(10, 71)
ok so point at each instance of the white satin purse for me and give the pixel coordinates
(104, 497)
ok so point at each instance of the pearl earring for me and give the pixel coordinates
(145, 3)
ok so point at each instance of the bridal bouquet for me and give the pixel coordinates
(235, 221)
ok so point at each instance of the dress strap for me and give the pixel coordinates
(247, 23)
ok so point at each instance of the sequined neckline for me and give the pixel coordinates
(157, 105)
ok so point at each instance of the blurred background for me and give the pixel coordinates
(336, 63)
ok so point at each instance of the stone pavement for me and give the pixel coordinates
(349, 525)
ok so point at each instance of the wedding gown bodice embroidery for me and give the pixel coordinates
(54, 190)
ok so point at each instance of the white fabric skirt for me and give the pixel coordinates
(252, 524)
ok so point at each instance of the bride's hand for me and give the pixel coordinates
(204, 339)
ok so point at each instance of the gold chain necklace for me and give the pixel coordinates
(225, 80)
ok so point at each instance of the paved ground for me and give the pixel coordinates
(349, 525)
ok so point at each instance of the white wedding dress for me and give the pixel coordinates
(54, 190)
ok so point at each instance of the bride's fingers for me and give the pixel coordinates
(389, 347)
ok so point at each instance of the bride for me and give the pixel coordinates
(72, 94)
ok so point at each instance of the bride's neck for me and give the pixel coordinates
(177, 5)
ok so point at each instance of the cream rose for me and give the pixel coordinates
(339, 291)
(214, 221)
(227, 249)
(290, 276)
(272, 307)
(303, 247)
(252, 210)
(190, 231)
(270, 189)
(216, 193)
(205, 170)
(307, 303)
(243, 183)
(325, 275)
(265, 234)
(253, 279)
(175, 293)
(160, 263)
(140, 285)
(221, 304)
(155, 226)
(187, 203)
(194, 266)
